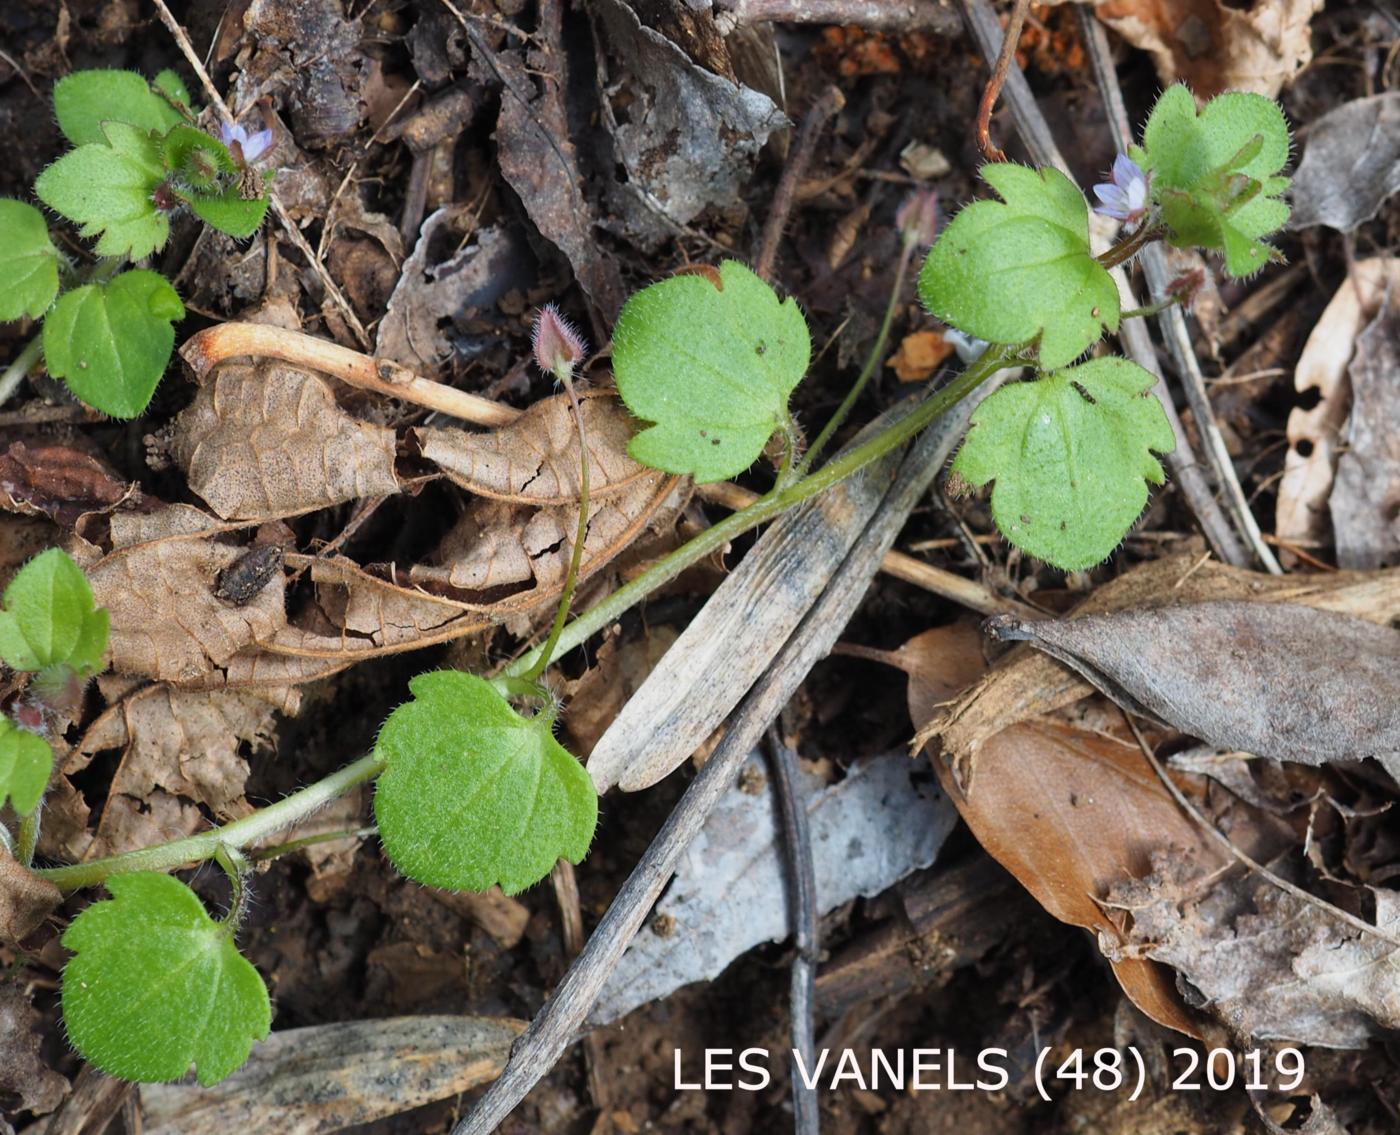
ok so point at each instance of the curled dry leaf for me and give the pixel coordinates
(329, 1077)
(535, 459)
(1270, 965)
(1314, 435)
(43, 478)
(1279, 680)
(1215, 45)
(23, 1073)
(1351, 165)
(25, 901)
(1365, 501)
(158, 583)
(268, 440)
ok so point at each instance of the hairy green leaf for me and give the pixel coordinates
(1071, 455)
(28, 261)
(110, 342)
(201, 161)
(711, 365)
(1013, 270)
(157, 985)
(169, 84)
(475, 795)
(26, 761)
(230, 212)
(84, 100)
(107, 188)
(50, 619)
(1216, 174)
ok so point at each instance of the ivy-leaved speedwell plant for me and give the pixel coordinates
(473, 790)
(137, 160)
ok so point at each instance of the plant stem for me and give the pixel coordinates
(876, 354)
(28, 836)
(770, 505)
(23, 362)
(236, 868)
(241, 833)
(278, 849)
(1130, 246)
(1153, 308)
(566, 597)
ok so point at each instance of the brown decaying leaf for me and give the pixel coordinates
(619, 671)
(1351, 164)
(25, 900)
(1279, 680)
(1365, 501)
(1025, 684)
(1270, 965)
(535, 460)
(1314, 435)
(328, 1077)
(268, 440)
(919, 355)
(1215, 45)
(58, 481)
(23, 1073)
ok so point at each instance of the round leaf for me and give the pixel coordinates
(84, 100)
(111, 342)
(711, 362)
(28, 261)
(50, 619)
(1019, 269)
(26, 762)
(157, 985)
(1071, 457)
(474, 795)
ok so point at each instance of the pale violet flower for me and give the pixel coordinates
(1125, 197)
(245, 146)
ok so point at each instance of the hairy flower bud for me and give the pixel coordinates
(917, 218)
(558, 347)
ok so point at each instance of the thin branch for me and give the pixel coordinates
(1172, 321)
(828, 103)
(797, 842)
(874, 15)
(1005, 56)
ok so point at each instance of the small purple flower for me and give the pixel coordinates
(1125, 197)
(917, 218)
(244, 146)
(558, 347)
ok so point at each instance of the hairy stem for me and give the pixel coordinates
(876, 354)
(28, 836)
(241, 833)
(1130, 245)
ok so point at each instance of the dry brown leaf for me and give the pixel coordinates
(1365, 501)
(329, 1077)
(535, 459)
(1270, 965)
(1216, 45)
(25, 900)
(1351, 165)
(158, 584)
(23, 1073)
(58, 481)
(264, 441)
(128, 824)
(1314, 435)
(595, 699)
(919, 355)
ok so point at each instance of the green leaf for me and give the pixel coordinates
(1070, 455)
(157, 985)
(1215, 174)
(1014, 271)
(84, 100)
(198, 158)
(230, 212)
(107, 187)
(110, 342)
(711, 365)
(170, 84)
(28, 261)
(26, 762)
(475, 795)
(50, 618)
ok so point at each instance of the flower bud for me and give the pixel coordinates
(558, 347)
(917, 218)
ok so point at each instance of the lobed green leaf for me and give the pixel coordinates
(156, 985)
(111, 342)
(474, 795)
(28, 261)
(169, 84)
(85, 100)
(26, 762)
(50, 619)
(1020, 269)
(1216, 174)
(107, 187)
(1071, 457)
(710, 365)
(230, 212)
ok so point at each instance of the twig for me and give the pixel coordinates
(797, 842)
(208, 348)
(875, 15)
(1172, 322)
(289, 226)
(828, 103)
(1012, 37)
(1225, 842)
(1035, 134)
(558, 1022)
